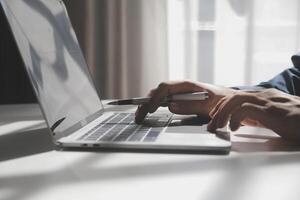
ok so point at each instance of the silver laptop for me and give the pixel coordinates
(68, 98)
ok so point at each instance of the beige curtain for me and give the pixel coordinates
(125, 43)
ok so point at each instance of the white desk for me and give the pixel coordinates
(260, 166)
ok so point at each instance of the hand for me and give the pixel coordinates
(201, 108)
(269, 108)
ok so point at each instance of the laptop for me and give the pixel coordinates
(69, 101)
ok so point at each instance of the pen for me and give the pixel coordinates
(197, 96)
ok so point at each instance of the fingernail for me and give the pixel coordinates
(138, 110)
(151, 109)
(233, 126)
(175, 106)
(137, 120)
(209, 126)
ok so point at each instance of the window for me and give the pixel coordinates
(231, 42)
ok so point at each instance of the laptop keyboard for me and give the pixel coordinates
(121, 127)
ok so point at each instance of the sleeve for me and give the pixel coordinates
(287, 81)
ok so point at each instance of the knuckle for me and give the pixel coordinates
(191, 84)
(231, 100)
(153, 90)
(171, 109)
(244, 97)
(268, 91)
(272, 90)
(236, 97)
(271, 108)
(163, 85)
(187, 82)
(260, 99)
(150, 94)
(246, 106)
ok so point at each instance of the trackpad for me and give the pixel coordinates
(192, 131)
(187, 129)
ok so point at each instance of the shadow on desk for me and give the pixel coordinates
(260, 143)
(21, 144)
(236, 169)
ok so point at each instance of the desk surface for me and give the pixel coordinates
(260, 166)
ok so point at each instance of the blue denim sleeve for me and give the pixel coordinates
(287, 81)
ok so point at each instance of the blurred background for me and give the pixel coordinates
(132, 45)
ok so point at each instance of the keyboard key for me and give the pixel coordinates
(128, 120)
(113, 132)
(152, 136)
(98, 133)
(107, 119)
(126, 133)
(139, 135)
(118, 118)
(121, 127)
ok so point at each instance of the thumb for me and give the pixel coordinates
(188, 107)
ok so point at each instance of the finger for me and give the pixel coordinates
(164, 104)
(216, 108)
(251, 122)
(213, 122)
(166, 89)
(141, 113)
(151, 93)
(212, 125)
(143, 110)
(188, 108)
(248, 111)
(230, 105)
(234, 103)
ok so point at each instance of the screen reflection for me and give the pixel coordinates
(54, 61)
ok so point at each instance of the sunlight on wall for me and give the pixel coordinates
(176, 39)
(230, 42)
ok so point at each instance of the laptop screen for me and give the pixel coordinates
(54, 61)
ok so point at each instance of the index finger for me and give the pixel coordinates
(141, 113)
(142, 110)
